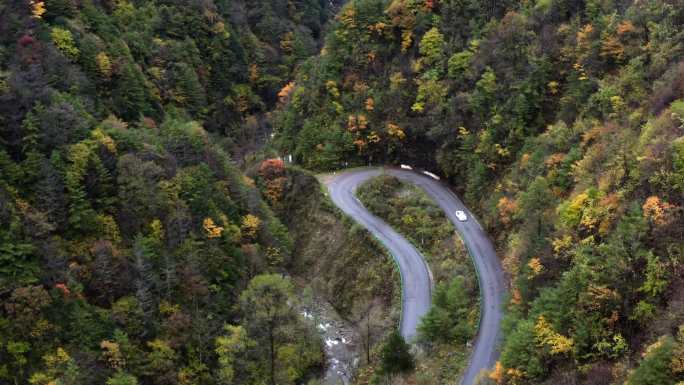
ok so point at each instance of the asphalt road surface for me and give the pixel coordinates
(416, 281)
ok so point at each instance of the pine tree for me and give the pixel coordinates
(144, 279)
(130, 95)
(191, 93)
(395, 356)
(655, 368)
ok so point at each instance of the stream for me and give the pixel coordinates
(340, 343)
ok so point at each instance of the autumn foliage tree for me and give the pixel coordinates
(272, 171)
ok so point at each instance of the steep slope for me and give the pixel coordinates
(562, 123)
(132, 249)
(219, 62)
(339, 263)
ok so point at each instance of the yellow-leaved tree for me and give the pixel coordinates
(37, 9)
(211, 229)
(657, 211)
(64, 41)
(548, 337)
(104, 65)
(250, 226)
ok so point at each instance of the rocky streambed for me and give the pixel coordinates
(340, 342)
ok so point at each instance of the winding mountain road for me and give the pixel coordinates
(416, 281)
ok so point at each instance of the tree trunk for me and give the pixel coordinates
(368, 336)
(271, 340)
(539, 226)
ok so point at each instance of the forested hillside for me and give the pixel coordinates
(219, 62)
(132, 250)
(562, 123)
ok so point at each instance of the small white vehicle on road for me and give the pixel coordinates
(461, 216)
(406, 167)
(431, 175)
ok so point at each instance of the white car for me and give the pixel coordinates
(461, 216)
(406, 167)
(431, 175)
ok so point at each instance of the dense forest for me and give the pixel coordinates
(132, 249)
(562, 123)
(146, 239)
